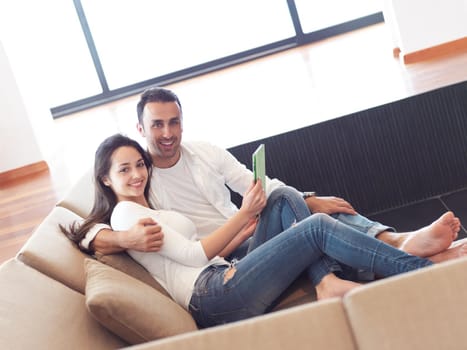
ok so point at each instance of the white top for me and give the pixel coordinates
(209, 169)
(180, 261)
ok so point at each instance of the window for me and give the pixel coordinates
(50, 47)
(141, 39)
(88, 52)
(317, 15)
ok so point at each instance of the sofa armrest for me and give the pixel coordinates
(423, 309)
(37, 312)
(320, 325)
(49, 251)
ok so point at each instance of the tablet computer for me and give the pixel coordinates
(259, 165)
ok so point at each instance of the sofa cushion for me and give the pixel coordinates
(423, 309)
(37, 312)
(125, 263)
(299, 292)
(51, 252)
(130, 308)
(319, 325)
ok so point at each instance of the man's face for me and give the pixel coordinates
(162, 128)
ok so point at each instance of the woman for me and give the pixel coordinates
(213, 290)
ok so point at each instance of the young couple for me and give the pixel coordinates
(171, 211)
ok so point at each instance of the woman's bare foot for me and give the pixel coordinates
(457, 249)
(434, 238)
(332, 286)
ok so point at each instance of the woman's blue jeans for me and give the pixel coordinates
(286, 207)
(249, 286)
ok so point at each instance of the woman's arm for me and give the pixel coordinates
(246, 232)
(179, 248)
(228, 235)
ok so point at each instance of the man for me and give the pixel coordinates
(191, 178)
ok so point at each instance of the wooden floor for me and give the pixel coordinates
(24, 202)
(268, 96)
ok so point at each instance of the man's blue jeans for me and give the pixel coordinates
(250, 285)
(286, 207)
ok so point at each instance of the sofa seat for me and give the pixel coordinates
(37, 312)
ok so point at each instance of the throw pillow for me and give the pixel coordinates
(125, 263)
(131, 309)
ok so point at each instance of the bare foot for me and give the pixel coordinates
(332, 286)
(457, 249)
(434, 238)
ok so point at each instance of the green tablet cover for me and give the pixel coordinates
(259, 165)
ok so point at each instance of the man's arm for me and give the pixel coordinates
(146, 236)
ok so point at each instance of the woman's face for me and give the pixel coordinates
(127, 175)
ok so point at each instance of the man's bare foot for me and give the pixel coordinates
(434, 238)
(457, 249)
(332, 286)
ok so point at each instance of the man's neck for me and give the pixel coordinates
(165, 163)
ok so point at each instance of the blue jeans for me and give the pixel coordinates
(284, 208)
(253, 283)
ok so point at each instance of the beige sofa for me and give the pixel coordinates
(53, 296)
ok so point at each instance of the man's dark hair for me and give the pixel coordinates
(155, 94)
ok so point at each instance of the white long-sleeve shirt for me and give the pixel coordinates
(180, 261)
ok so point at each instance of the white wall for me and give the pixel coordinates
(19, 144)
(421, 24)
(25, 50)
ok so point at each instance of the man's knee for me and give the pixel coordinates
(284, 191)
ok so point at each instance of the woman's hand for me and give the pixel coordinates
(254, 200)
(239, 227)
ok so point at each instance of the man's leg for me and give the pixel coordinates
(427, 241)
(285, 208)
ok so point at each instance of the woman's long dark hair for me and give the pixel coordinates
(104, 197)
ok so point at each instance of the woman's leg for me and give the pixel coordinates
(285, 208)
(249, 287)
(365, 226)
